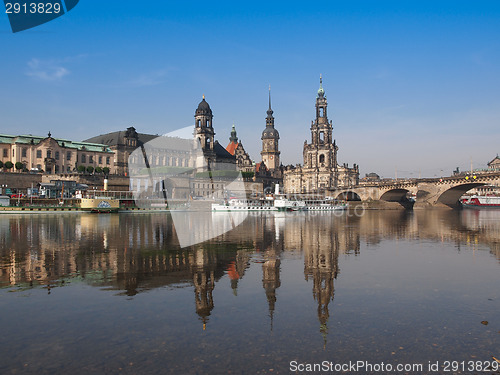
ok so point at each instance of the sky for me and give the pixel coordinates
(413, 87)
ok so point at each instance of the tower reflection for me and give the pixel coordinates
(134, 253)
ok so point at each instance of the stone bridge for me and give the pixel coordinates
(444, 191)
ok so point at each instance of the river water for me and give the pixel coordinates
(115, 294)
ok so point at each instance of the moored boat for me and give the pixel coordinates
(481, 201)
(325, 205)
(99, 204)
(238, 204)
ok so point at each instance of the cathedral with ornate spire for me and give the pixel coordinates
(321, 171)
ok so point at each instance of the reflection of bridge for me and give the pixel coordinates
(429, 191)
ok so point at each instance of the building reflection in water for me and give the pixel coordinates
(131, 253)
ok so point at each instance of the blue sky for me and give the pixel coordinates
(411, 86)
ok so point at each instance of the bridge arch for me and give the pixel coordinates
(395, 195)
(349, 196)
(451, 196)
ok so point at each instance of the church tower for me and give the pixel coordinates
(204, 130)
(321, 153)
(321, 172)
(270, 137)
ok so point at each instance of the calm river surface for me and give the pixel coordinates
(115, 294)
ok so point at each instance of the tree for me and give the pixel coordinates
(81, 168)
(8, 165)
(19, 165)
(105, 170)
(1, 164)
(90, 169)
(98, 170)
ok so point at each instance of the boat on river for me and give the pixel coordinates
(271, 202)
(326, 204)
(481, 201)
(259, 204)
(100, 204)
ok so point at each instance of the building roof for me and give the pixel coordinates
(270, 133)
(66, 143)
(260, 165)
(221, 152)
(203, 108)
(494, 161)
(116, 138)
(231, 147)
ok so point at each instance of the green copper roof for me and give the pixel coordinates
(65, 143)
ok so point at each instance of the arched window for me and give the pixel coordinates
(321, 137)
(322, 159)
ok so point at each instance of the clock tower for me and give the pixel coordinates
(270, 138)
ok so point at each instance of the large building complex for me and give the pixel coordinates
(54, 155)
(321, 171)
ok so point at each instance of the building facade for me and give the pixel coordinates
(179, 168)
(494, 165)
(321, 171)
(54, 155)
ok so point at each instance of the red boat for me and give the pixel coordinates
(480, 201)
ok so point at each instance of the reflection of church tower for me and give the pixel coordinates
(271, 282)
(204, 130)
(321, 263)
(204, 283)
(271, 278)
(270, 152)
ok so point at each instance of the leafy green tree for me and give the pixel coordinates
(8, 165)
(90, 169)
(81, 168)
(19, 165)
(1, 164)
(105, 170)
(98, 170)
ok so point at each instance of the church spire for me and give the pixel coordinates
(269, 96)
(321, 92)
(233, 138)
(270, 111)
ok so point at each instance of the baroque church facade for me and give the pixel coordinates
(321, 171)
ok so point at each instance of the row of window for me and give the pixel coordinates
(155, 161)
(24, 153)
(208, 186)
